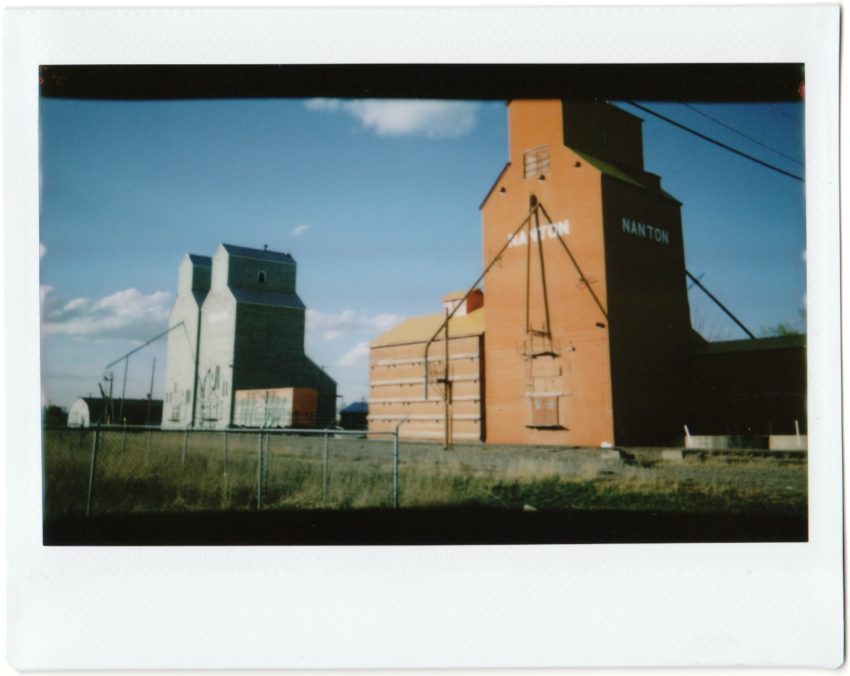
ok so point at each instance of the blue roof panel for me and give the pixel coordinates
(258, 254)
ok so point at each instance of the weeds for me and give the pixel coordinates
(150, 472)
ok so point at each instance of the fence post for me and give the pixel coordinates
(148, 448)
(325, 470)
(395, 469)
(226, 483)
(185, 443)
(124, 439)
(225, 452)
(91, 472)
(395, 462)
(259, 470)
(267, 464)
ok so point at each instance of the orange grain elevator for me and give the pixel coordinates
(587, 332)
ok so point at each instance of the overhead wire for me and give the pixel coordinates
(715, 141)
(782, 112)
(739, 133)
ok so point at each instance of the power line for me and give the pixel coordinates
(739, 133)
(725, 309)
(715, 142)
(783, 113)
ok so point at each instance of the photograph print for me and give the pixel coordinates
(423, 304)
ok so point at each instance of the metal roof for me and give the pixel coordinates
(266, 297)
(633, 178)
(420, 329)
(356, 407)
(606, 168)
(752, 345)
(458, 294)
(203, 261)
(135, 411)
(258, 254)
(493, 187)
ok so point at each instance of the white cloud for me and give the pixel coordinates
(123, 314)
(406, 117)
(75, 304)
(323, 104)
(331, 326)
(355, 354)
(299, 230)
(41, 250)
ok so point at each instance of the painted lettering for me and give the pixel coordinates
(539, 233)
(646, 231)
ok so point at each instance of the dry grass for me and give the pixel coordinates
(148, 472)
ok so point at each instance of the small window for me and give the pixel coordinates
(188, 395)
(217, 374)
(544, 411)
(261, 276)
(535, 162)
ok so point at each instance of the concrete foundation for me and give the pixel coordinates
(788, 442)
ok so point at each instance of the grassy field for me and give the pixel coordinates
(149, 472)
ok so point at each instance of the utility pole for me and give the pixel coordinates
(474, 286)
(150, 394)
(197, 365)
(126, 359)
(111, 411)
(447, 390)
(123, 390)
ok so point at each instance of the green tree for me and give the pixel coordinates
(54, 416)
(786, 328)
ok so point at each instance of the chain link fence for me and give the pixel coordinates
(139, 469)
(117, 470)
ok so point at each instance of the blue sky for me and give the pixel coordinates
(378, 203)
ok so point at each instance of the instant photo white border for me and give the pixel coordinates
(424, 606)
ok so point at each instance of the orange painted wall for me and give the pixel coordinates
(621, 359)
(572, 190)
